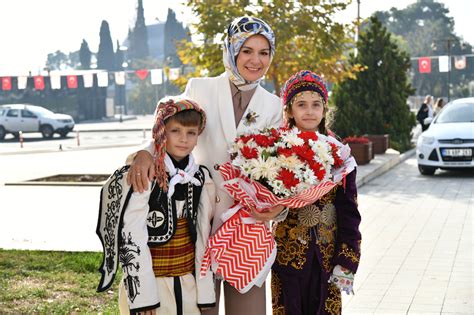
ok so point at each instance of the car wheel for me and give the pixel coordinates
(47, 131)
(63, 134)
(426, 170)
(3, 133)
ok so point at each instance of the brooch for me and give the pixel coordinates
(250, 118)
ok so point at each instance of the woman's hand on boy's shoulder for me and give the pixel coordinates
(142, 170)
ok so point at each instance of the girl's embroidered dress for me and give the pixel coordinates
(310, 242)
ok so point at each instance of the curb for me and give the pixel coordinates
(56, 184)
(111, 130)
(385, 167)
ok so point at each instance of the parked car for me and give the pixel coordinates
(449, 141)
(30, 118)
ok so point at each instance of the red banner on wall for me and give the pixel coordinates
(6, 83)
(39, 82)
(72, 81)
(142, 74)
(424, 64)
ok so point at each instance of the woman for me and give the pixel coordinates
(234, 102)
(425, 111)
(438, 106)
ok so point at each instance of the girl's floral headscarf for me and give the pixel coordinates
(165, 109)
(304, 80)
(238, 32)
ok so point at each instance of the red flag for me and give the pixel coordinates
(424, 64)
(39, 82)
(142, 74)
(72, 81)
(6, 83)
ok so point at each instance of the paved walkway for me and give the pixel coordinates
(135, 123)
(417, 248)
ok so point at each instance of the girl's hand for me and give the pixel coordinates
(152, 312)
(267, 214)
(342, 278)
(141, 171)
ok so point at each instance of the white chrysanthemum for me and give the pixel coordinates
(291, 162)
(247, 168)
(309, 177)
(279, 189)
(322, 151)
(292, 139)
(264, 169)
(239, 145)
(302, 186)
(251, 144)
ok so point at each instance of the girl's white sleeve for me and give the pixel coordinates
(206, 296)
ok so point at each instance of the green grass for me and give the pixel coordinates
(46, 282)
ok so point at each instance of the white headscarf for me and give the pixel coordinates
(238, 32)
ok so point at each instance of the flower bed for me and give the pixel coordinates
(380, 143)
(361, 149)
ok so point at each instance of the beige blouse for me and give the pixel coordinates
(241, 100)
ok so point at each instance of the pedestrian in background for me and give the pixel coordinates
(425, 111)
(438, 106)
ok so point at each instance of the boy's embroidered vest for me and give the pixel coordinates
(162, 219)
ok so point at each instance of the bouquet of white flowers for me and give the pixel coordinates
(285, 167)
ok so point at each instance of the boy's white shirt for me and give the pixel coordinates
(135, 223)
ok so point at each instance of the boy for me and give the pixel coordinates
(159, 236)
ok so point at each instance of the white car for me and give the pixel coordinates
(449, 141)
(30, 118)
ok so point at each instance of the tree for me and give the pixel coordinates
(61, 61)
(105, 55)
(139, 36)
(426, 26)
(57, 61)
(73, 60)
(174, 32)
(119, 57)
(307, 37)
(375, 101)
(85, 55)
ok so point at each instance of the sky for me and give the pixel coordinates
(31, 29)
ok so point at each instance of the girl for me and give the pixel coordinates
(318, 245)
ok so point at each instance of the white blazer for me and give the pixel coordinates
(214, 96)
